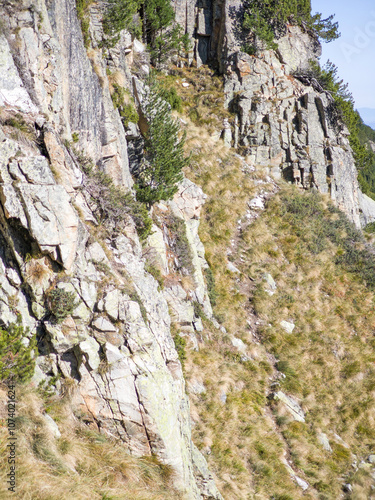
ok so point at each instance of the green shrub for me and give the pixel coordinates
(156, 273)
(61, 303)
(110, 203)
(17, 354)
(180, 344)
(170, 95)
(370, 228)
(180, 244)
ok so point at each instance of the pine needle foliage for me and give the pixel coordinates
(266, 20)
(164, 151)
(17, 355)
(153, 20)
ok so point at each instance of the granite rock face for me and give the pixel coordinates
(115, 345)
(289, 127)
(282, 122)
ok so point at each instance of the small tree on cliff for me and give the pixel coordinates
(164, 151)
(266, 20)
(151, 19)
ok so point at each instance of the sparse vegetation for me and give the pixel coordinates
(180, 244)
(111, 204)
(84, 18)
(82, 463)
(18, 128)
(125, 104)
(180, 344)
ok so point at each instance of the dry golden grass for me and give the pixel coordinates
(327, 362)
(81, 464)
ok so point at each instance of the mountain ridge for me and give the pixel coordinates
(183, 334)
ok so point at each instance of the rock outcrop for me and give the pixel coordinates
(115, 344)
(282, 122)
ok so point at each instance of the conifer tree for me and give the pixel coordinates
(266, 19)
(156, 25)
(164, 151)
(17, 357)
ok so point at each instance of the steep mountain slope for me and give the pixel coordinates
(263, 302)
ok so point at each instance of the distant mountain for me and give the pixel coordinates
(368, 116)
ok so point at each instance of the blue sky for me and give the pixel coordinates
(354, 51)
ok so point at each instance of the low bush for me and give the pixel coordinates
(111, 204)
(180, 244)
(83, 16)
(61, 303)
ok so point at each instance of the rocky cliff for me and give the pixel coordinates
(116, 343)
(57, 114)
(282, 119)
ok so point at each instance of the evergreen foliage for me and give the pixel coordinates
(164, 151)
(366, 176)
(120, 15)
(266, 20)
(83, 16)
(17, 355)
(151, 19)
(61, 303)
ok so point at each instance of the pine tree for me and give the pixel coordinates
(17, 357)
(266, 20)
(156, 25)
(164, 151)
(119, 16)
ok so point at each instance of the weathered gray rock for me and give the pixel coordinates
(103, 325)
(204, 477)
(196, 387)
(232, 268)
(96, 253)
(90, 349)
(271, 286)
(53, 427)
(12, 90)
(324, 441)
(157, 252)
(291, 405)
(367, 209)
(301, 483)
(238, 344)
(287, 326)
